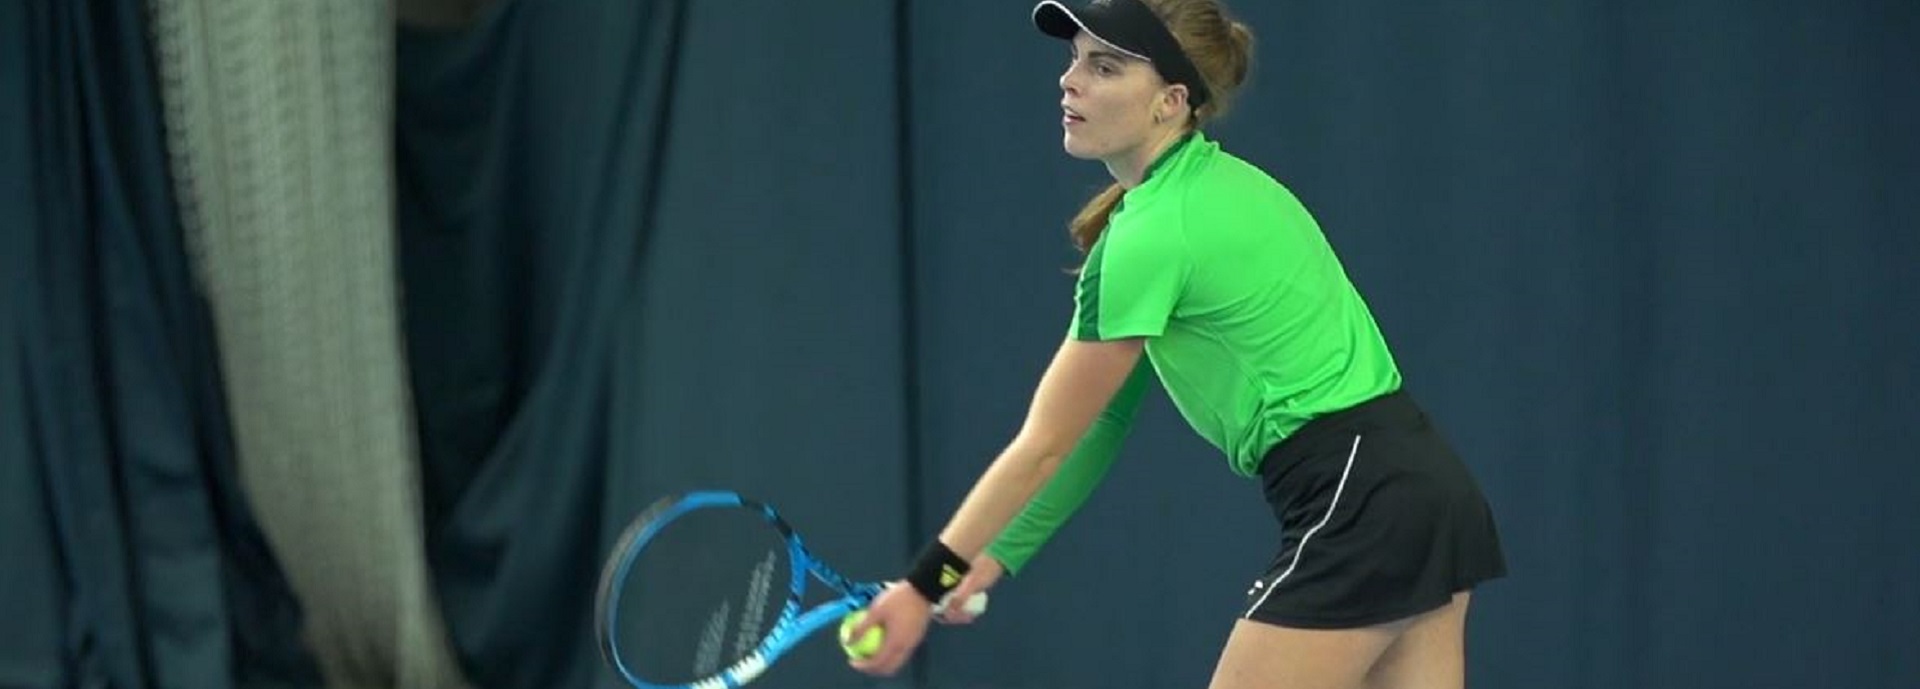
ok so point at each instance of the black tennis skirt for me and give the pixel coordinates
(1379, 519)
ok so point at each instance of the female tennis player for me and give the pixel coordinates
(1205, 273)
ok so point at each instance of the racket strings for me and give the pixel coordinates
(700, 595)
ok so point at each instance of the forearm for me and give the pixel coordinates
(1057, 501)
(1078, 386)
(1000, 494)
(1073, 484)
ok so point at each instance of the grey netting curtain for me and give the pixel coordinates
(279, 118)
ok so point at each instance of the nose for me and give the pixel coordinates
(1067, 81)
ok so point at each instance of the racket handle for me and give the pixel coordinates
(975, 605)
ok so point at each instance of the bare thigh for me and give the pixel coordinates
(1264, 656)
(1430, 654)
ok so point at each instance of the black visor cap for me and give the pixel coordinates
(1130, 26)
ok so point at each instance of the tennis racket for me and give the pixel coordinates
(706, 590)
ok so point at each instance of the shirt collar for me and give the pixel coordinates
(1179, 145)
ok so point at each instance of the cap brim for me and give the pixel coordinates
(1054, 19)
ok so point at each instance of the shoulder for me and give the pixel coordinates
(1228, 181)
(1226, 198)
(1148, 228)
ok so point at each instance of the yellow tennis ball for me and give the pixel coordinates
(867, 645)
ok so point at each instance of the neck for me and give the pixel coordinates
(1130, 168)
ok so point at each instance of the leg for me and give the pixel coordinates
(1265, 656)
(1430, 654)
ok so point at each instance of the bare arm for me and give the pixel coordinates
(1080, 473)
(1076, 387)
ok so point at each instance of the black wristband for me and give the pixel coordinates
(937, 571)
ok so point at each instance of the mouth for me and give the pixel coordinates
(1069, 117)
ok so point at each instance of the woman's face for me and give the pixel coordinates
(1109, 100)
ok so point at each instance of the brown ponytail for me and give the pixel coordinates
(1219, 45)
(1092, 218)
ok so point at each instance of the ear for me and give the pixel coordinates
(1172, 98)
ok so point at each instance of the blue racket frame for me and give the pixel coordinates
(792, 626)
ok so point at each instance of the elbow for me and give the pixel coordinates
(1046, 465)
(1042, 456)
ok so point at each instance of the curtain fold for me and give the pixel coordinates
(146, 568)
(279, 118)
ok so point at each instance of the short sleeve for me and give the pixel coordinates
(1131, 283)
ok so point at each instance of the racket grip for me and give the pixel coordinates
(975, 605)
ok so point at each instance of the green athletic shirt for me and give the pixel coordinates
(1250, 322)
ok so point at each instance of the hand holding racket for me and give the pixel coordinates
(985, 573)
(706, 590)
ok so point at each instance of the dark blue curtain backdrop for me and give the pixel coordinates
(130, 557)
(648, 248)
(1648, 263)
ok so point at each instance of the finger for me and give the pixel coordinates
(945, 606)
(867, 622)
(887, 660)
(869, 665)
(976, 605)
(956, 608)
(895, 649)
(876, 664)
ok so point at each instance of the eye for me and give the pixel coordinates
(1105, 69)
